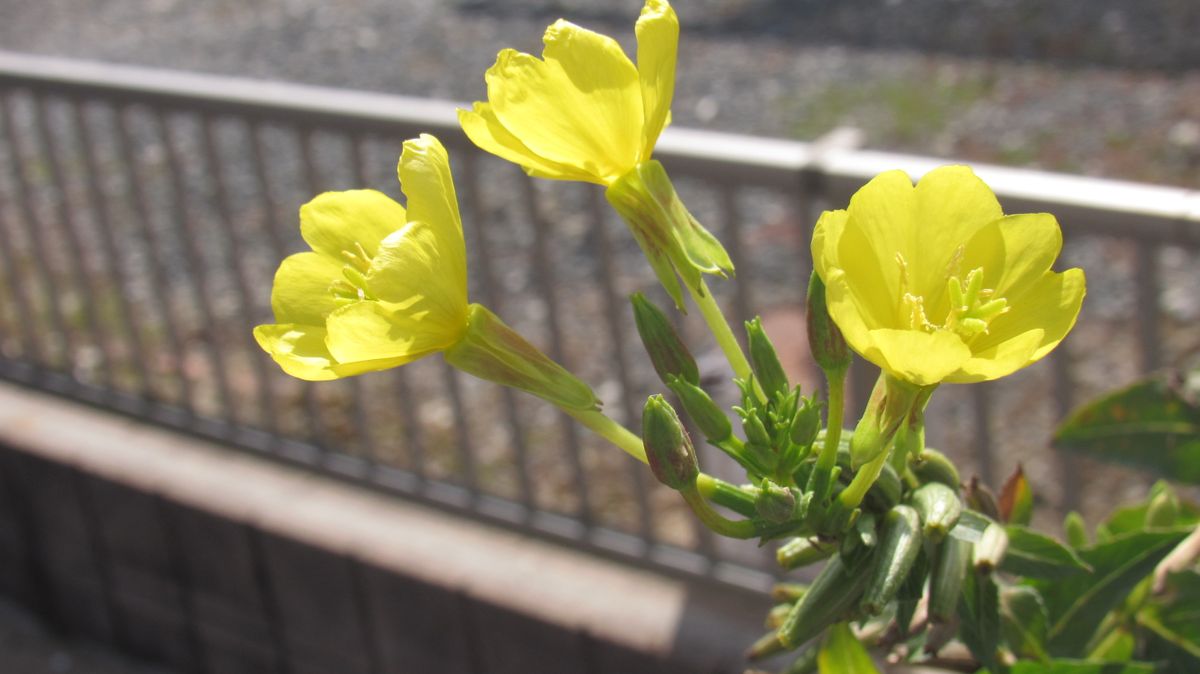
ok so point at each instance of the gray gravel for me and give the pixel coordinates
(753, 66)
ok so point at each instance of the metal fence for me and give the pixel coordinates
(142, 214)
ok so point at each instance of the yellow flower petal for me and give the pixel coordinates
(581, 106)
(425, 178)
(334, 221)
(826, 235)
(920, 358)
(1000, 360)
(1051, 303)
(300, 293)
(882, 212)
(658, 41)
(372, 331)
(411, 270)
(951, 205)
(1014, 251)
(485, 130)
(301, 352)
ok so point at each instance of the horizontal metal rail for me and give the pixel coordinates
(173, 197)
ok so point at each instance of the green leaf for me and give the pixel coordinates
(1153, 424)
(1079, 603)
(979, 615)
(1024, 621)
(1016, 499)
(841, 653)
(1082, 667)
(1036, 555)
(1177, 618)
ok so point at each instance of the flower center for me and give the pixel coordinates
(352, 287)
(972, 307)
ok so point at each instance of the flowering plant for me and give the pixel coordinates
(931, 282)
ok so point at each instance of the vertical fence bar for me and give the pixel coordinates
(492, 298)
(236, 255)
(158, 287)
(1070, 468)
(545, 279)
(981, 405)
(34, 233)
(115, 263)
(359, 392)
(742, 292)
(77, 275)
(193, 264)
(613, 307)
(1148, 294)
(31, 346)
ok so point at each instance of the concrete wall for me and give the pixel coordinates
(213, 561)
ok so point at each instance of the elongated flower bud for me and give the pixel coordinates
(800, 552)
(825, 340)
(946, 578)
(668, 449)
(939, 507)
(806, 424)
(1076, 530)
(709, 418)
(990, 549)
(933, 466)
(764, 361)
(895, 558)
(667, 351)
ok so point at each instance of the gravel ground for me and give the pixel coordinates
(742, 66)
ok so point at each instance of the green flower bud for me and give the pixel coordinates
(825, 340)
(709, 418)
(1163, 509)
(1076, 530)
(668, 449)
(939, 507)
(666, 350)
(990, 549)
(933, 466)
(775, 503)
(806, 423)
(898, 552)
(755, 431)
(800, 552)
(764, 361)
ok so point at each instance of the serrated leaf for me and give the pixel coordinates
(1153, 424)
(1064, 666)
(842, 653)
(1016, 499)
(1078, 603)
(1024, 621)
(1036, 555)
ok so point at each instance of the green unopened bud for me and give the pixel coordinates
(709, 418)
(673, 241)
(825, 340)
(775, 503)
(668, 449)
(800, 552)
(1163, 509)
(806, 423)
(981, 499)
(901, 543)
(990, 549)
(939, 507)
(667, 351)
(933, 466)
(756, 431)
(1076, 530)
(764, 361)
(491, 350)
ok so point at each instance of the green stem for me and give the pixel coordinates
(853, 495)
(833, 422)
(724, 494)
(610, 430)
(724, 334)
(713, 519)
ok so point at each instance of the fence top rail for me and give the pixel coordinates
(1114, 207)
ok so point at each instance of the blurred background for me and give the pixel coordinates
(144, 213)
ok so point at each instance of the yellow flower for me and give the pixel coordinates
(583, 111)
(381, 287)
(934, 283)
